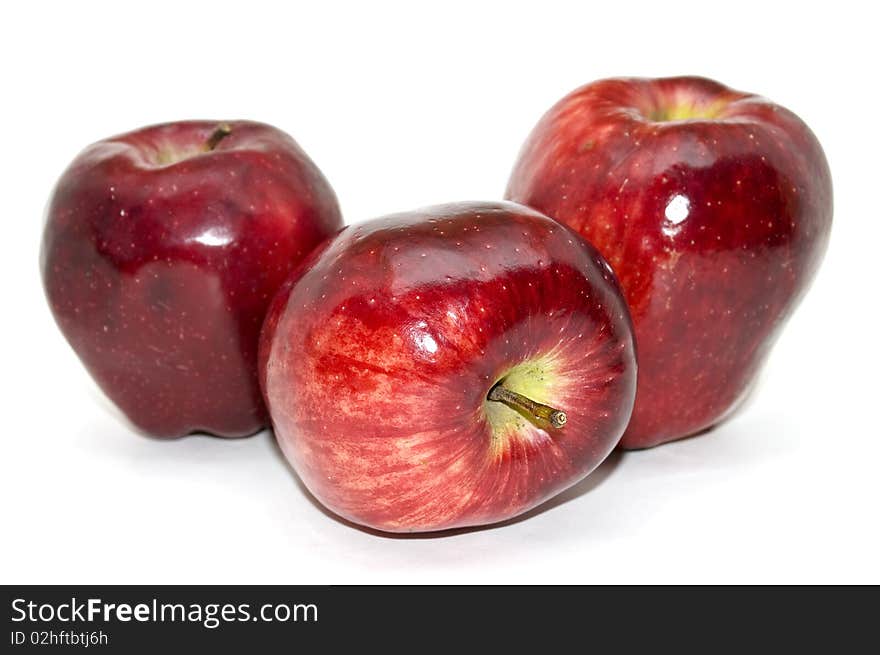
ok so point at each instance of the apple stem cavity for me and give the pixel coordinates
(516, 401)
(221, 132)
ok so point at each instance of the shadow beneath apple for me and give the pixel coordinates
(593, 480)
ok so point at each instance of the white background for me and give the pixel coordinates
(404, 105)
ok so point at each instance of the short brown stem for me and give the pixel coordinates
(221, 132)
(555, 417)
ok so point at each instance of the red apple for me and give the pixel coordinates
(419, 369)
(162, 250)
(713, 207)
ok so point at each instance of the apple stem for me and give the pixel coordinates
(555, 417)
(221, 132)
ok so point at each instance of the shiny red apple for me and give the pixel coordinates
(447, 367)
(161, 252)
(714, 209)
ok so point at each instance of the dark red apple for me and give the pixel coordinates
(447, 367)
(161, 252)
(714, 209)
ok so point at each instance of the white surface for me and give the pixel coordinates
(404, 106)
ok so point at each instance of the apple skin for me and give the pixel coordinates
(160, 258)
(712, 206)
(378, 354)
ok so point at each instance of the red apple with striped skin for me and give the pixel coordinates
(162, 250)
(714, 209)
(448, 367)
